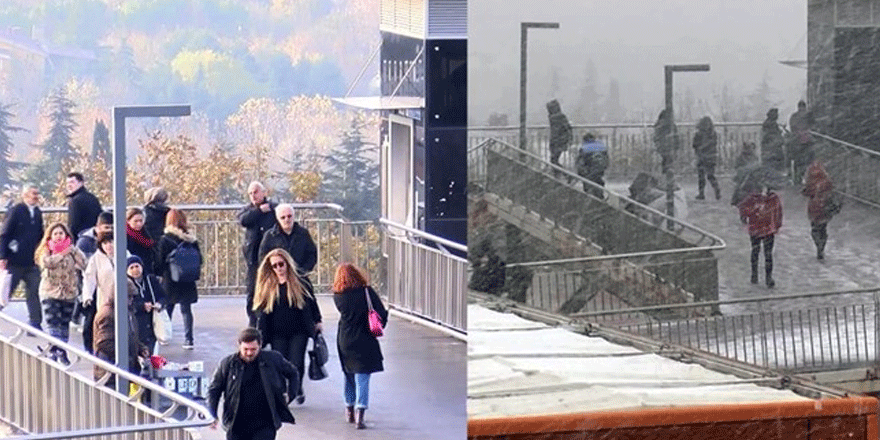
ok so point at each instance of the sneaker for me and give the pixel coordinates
(770, 283)
(188, 345)
(700, 197)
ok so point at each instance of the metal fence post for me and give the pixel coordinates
(876, 332)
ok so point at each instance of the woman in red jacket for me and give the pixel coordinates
(762, 210)
(818, 188)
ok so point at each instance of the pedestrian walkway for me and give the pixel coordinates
(420, 395)
(850, 258)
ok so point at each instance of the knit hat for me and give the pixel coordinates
(134, 259)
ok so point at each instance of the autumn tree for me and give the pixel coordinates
(6, 130)
(352, 177)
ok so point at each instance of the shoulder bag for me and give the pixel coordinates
(373, 318)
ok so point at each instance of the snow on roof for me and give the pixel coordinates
(521, 367)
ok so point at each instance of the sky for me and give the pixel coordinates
(743, 41)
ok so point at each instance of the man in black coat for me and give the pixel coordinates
(252, 384)
(256, 217)
(293, 238)
(19, 238)
(82, 208)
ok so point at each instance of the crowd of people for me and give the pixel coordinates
(69, 273)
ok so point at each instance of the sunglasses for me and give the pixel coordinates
(278, 265)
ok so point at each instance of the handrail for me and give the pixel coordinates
(847, 144)
(423, 234)
(618, 256)
(612, 125)
(200, 412)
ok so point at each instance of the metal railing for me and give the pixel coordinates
(48, 400)
(854, 170)
(630, 145)
(424, 277)
(795, 333)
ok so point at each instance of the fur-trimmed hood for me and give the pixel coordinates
(177, 232)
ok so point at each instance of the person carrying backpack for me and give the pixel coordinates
(179, 260)
(591, 164)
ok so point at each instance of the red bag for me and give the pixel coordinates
(373, 318)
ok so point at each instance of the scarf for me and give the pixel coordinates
(139, 237)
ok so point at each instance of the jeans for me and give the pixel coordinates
(58, 313)
(357, 390)
(31, 277)
(294, 350)
(88, 327)
(186, 311)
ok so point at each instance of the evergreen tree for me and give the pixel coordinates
(352, 178)
(6, 144)
(57, 148)
(101, 142)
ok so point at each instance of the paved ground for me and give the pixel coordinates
(420, 395)
(850, 255)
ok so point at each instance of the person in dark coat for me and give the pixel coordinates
(139, 242)
(105, 337)
(706, 150)
(82, 207)
(665, 140)
(287, 312)
(251, 383)
(256, 217)
(183, 293)
(148, 296)
(818, 188)
(560, 131)
(762, 211)
(772, 142)
(359, 351)
(19, 238)
(155, 210)
(591, 163)
(293, 238)
(801, 145)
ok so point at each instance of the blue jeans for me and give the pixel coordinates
(357, 390)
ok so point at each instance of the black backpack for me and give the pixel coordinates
(184, 263)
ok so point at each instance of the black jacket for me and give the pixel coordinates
(298, 244)
(147, 290)
(255, 223)
(20, 236)
(154, 220)
(358, 349)
(83, 209)
(274, 369)
(286, 320)
(174, 292)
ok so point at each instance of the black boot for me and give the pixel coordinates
(360, 418)
(349, 414)
(770, 282)
(717, 191)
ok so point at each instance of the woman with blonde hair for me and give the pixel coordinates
(358, 348)
(59, 261)
(287, 313)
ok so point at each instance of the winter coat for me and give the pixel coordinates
(274, 369)
(358, 349)
(104, 337)
(99, 277)
(560, 128)
(147, 290)
(763, 213)
(146, 253)
(799, 123)
(286, 320)
(255, 223)
(59, 274)
(87, 243)
(298, 244)
(154, 222)
(706, 144)
(83, 209)
(175, 292)
(818, 188)
(592, 160)
(772, 153)
(20, 236)
(665, 136)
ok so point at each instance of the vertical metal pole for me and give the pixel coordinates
(120, 246)
(876, 332)
(670, 183)
(523, 64)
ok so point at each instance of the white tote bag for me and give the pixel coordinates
(161, 325)
(5, 287)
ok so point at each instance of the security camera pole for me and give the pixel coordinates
(670, 180)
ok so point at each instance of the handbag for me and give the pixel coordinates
(319, 346)
(5, 287)
(833, 205)
(373, 318)
(316, 368)
(162, 325)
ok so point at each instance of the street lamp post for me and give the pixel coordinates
(523, 44)
(670, 181)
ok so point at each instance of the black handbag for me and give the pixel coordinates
(316, 369)
(319, 345)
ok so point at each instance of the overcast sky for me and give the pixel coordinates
(630, 41)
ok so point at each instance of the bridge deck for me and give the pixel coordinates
(421, 393)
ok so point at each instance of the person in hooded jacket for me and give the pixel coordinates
(591, 163)
(772, 142)
(762, 211)
(560, 131)
(155, 210)
(105, 337)
(183, 293)
(819, 189)
(148, 296)
(665, 140)
(359, 351)
(706, 150)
